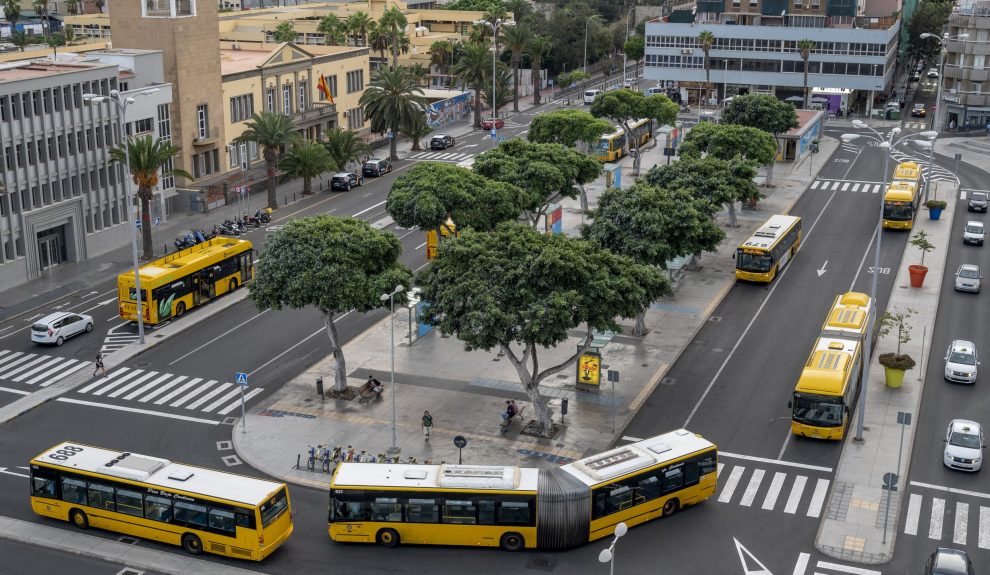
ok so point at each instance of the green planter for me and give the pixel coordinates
(895, 377)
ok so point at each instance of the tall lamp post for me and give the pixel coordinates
(887, 144)
(494, 26)
(390, 297)
(586, 22)
(608, 555)
(625, 39)
(121, 101)
(941, 71)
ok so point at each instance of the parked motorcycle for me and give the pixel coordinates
(264, 216)
(685, 109)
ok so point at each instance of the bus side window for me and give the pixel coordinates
(486, 511)
(706, 463)
(101, 496)
(130, 502)
(514, 513)
(649, 487)
(673, 479)
(222, 520)
(158, 508)
(73, 490)
(422, 511)
(43, 482)
(691, 472)
(601, 504)
(245, 518)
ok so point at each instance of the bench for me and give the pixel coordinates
(365, 393)
(504, 426)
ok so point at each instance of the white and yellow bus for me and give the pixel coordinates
(153, 498)
(900, 205)
(611, 147)
(767, 251)
(516, 508)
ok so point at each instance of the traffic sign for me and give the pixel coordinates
(137, 224)
(158, 220)
(241, 378)
(460, 441)
(493, 133)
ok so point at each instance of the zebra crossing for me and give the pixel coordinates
(36, 369)
(846, 186)
(754, 487)
(922, 125)
(941, 516)
(441, 156)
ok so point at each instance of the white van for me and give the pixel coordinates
(589, 96)
(655, 90)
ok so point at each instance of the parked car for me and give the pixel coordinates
(945, 561)
(59, 326)
(376, 167)
(961, 362)
(919, 110)
(487, 124)
(977, 202)
(963, 445)
(933, 72)
(345, 181)
(441, 142)
(590, 95)
(915, 76)
(655, 90)
(628, 83)
(968, 278)
(973, 234)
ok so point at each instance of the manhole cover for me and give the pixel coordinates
(668, 381)
(128, 540)
(715, 318)
(540, 564)
(142, 364)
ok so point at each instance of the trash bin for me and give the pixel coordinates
(319, 386)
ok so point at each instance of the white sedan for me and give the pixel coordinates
(963, 445)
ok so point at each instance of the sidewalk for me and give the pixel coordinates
(466, 391)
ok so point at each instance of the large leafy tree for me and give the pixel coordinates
(635, 49)
(416, 131)
(146, 159)
(537, 48)
(432, 192)
(805, 48)
(472, 68)
(515, 287)
(333, 264)
(284, 32)
(344, 146)
(542, 171)
(308, 160)
(567, 127)
(273, 132)
(12, 11)
(763, 112)
(653, 226)
(714, 179)
(393, 23)
(516, 39)
(392, 101)
(626, 106)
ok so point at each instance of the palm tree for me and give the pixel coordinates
(441, 54)
(417, 131)
(273, 132)
(706, 39)
(805, 47)
(392, 101)
(472, 70)
(502, 93)
(358, 24)
(12, 11)
(145, 158)
(344, 146)
(377, 39)
(420, 73)
(72, 6)
(332, 29)
(538, 47)
(392, 23)
(40, 8)
(516, 39)
(308, 160)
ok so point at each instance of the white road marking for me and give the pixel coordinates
(222, 400)
(178, 379)
(774, 461)
(951, 490)
(219, 389)
(184, 387)
(731, 483)
(187, 397)
(814, 185)
(983, 535)
(752, 487)
(62, 375)
(136, 410)
(368, 209)
(846, 568)
(18, 391)
(236, 404)
(938, 512)
(961, 523)
(117, 382)
(13, 356)
(774, 491)
(845, 186)
(818, 498)
(35, 361)
(104, 379)
(147, 386)
(794, 498)
(913, 515)
(802, 564)
(134, 384)
(229, 331)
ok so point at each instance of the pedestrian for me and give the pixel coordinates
(99, 365)
(427, 424)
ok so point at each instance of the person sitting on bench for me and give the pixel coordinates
(510, 411)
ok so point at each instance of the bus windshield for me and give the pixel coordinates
(602, 146)
(820, 410)
(272, 508)
(753, 262)
(898, 211)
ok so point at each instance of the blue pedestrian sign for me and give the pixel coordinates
(137, 224)
(241, 378)
(493, 133)
(158, 220)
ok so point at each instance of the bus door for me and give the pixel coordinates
(205, 286)
(246, 266)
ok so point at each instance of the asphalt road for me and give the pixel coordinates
(21, 559)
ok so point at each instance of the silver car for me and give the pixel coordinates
(968, 278)
(57, 327)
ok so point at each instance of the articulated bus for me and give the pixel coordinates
(763, 255)
(185, 279)
(826, 391)
(610, 147)
(643, 130)
(902, 196)
(153, 498)
(516, 508)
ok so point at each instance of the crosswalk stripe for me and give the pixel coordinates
(983, 536)
(855, 187)
(961, 523)
(193, 393)
(51, 361)
(184, 387)
(114, 384)
(938, 511)
(18, 361)
(134, 384)
(754, 485)
(209, 396)
(731, 483)
(64, 374)
(221, 401)
(147, 386)
(795, 496)
(818, 498)
(913, 515)
(163, 389)
(14, 355)
(845, 186)
(775, 485)
(876, 188)
(104, 379)
(237, 403)
(10, 374)
(718, 472)
(815, 184)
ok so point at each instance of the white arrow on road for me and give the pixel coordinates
(4, 470)
(745, 564)
(111, 300)
(821, 270)
(470, 146)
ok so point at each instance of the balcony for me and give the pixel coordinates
(212, 136)
(973, 100)
(966, 73)
(315, 114)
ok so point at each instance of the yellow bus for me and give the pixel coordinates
(610, 147)
(186, 279)
(767, 251)
(643, 130)
(900, 205)
(153, 498)
(827, 388)
(516, 508)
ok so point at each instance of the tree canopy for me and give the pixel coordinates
(567, 127)
(518, 286)
(625, 106)
(762, 112)
(720, 181)
(334, 264)
(929, 17)
(728, 141)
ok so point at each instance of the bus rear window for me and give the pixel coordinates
(271, 509)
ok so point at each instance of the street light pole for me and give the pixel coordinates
(494, 26)
(586, 22)
(624, 40)
(391, 299)
(608, 555)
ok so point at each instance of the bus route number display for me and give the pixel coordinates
(64, 453)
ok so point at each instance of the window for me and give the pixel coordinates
(130, 502)
(140, 127)
(355, 118)
(459, 512)
(978, 61)
(202, 122)
(73, 490)
(20, 155)
(4, 103)
(673, 479)
(190, 513)
(386, 509)
(222, 520)
(333, 85)
(164, 122)
(42, 486)
(270, 99)
(422, 511)
(287, 99)
(706, 463)
(241, 108)
(8, 154)
(302, 96)
(355, 81)
(514, 513)
(100, 496)
(649, 487)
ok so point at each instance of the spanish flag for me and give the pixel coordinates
(324, 87)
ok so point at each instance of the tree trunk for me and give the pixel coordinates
(307, 186)
(393, 154)
(270, 172)
(805, 84)
(584, 198)
(416, 147)
(146, 241)
(770, 167)
(340, 368)
(515, 84)
(395, 50)
(477, 107)
(640, 329)
(536, 81)
(733, 223)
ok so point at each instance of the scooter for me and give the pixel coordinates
(250, 220)
(264, 216)
(685, 109)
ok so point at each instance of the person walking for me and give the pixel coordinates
(99, 368)
(427, 424)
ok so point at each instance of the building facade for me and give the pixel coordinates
(966, 76)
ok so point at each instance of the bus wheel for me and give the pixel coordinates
(180, 309)
(387, 538)
(192, 544)
(512, 542)
(79, 519)
(233, 285)
(671, 507)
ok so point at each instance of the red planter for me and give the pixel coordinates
(917, 275)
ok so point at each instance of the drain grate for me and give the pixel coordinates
(225, 445)
(228, 421)
(130, 571)
(142, 364)
(715, 318)
(128, 540)
(668, 381)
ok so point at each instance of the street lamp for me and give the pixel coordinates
(625, 39)
(608, 555)
(390, 297)
(887, 144)
(586, 22)
(941, 70)
(122, 102)
(494, 26)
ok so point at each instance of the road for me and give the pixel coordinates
(21, 559)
